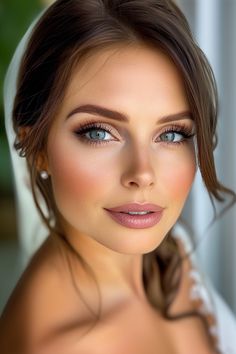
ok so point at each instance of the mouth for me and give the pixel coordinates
(136, 220)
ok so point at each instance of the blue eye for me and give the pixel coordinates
(95, 133)
(170, 136)
(177, 130)
(99, 134)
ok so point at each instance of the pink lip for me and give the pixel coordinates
(119, 214)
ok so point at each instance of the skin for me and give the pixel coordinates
(135, 165)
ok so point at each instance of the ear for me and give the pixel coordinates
(23, 131)
(41, 162)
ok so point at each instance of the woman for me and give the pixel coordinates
(115, 108)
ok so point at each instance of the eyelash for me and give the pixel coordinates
(87, 127)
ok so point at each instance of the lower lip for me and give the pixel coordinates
(136, 221)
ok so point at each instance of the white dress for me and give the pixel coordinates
(224, 327)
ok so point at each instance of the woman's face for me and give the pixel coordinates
(146, 159)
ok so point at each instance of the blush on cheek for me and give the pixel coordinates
(178, 175)
(72, 180)
(77, 178)
(180, 183)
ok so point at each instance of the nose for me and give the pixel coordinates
(140, 172)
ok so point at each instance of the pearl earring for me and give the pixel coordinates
(44, 175)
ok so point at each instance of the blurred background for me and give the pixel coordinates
(214, 26)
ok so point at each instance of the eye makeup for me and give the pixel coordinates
(86, 128)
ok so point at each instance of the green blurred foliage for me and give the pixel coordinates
(15, 17)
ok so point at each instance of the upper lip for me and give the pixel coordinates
(129, 207)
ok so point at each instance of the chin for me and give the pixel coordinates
(139, 244)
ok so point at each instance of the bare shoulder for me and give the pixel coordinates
(42, 305)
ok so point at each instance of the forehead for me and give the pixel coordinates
(120, 61)
(125, 75)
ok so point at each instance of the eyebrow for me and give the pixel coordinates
(119, 116)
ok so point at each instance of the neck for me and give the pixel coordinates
(118, 276)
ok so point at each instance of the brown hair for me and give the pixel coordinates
(69, 31)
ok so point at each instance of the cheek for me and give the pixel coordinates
(77, 176)
(73, 177)
(178, 172)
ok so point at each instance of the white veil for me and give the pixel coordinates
(32, 231)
